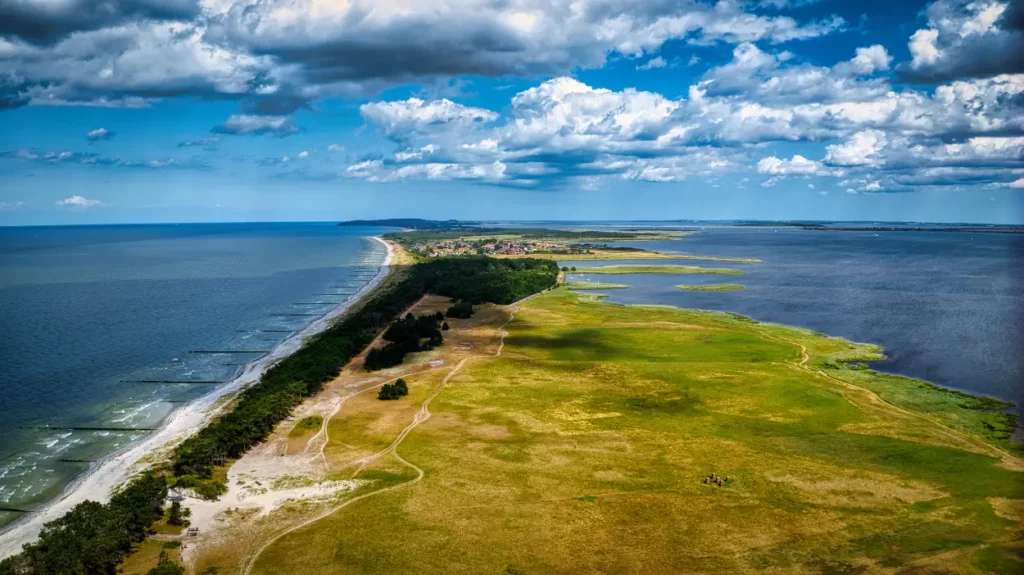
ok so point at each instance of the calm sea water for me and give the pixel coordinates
(947, 307)
(92, 315)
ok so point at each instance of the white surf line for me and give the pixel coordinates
(422, 415)
(107, 474)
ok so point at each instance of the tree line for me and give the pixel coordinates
(461, 310)
(407, 335)
(93, 538)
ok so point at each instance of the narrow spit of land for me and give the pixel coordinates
(657, 269)
(711, 287)
(594, 286)
(594, 416)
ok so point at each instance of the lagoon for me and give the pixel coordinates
(947, 307)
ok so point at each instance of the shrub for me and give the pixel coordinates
(395, 390)
(461, 310)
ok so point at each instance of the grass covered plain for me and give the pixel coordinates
(711, 287)
(583, 447)
(657, 269)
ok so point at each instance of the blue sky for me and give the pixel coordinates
(243, 110)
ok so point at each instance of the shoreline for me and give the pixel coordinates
(99, 481)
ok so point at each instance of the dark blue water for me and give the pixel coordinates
(90, 312)
(947, 307)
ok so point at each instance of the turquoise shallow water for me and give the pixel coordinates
(93, 315)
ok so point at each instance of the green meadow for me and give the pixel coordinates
(588, 444)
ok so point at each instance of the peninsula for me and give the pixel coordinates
(471, 415)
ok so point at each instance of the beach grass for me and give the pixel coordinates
(146, 555)
(711, 287)
(656, 269)
(307, 425)
(585, 447)
(594, 286)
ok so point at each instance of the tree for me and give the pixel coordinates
(573, 268)
(164, 566)
(174, 515)
(395, 390)
(565, 268)
(461, 310)
(444, 326)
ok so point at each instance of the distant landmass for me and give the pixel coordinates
(413, 223)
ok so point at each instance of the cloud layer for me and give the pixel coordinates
(876, 137)
(279, 55)
(951, 116)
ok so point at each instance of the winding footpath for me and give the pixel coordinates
(421, 416)
(986, 447)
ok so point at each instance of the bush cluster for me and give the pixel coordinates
(393, 390)
(407, 335)
(461, 310)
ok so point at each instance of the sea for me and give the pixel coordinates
(948, 307)
(108, 329)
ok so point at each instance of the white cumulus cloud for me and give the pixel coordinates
(79, 202)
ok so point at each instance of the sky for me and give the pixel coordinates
(137, 111)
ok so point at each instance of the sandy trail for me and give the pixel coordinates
(105, 476)
(421, 416)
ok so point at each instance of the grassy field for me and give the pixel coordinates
(711, 287)
(585, 447)
(657, 269)
(594, 285)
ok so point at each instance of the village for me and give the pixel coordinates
(493, 247)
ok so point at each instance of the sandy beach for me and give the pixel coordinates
(102, 478)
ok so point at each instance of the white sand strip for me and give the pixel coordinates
(104, 476)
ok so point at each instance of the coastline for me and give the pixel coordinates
(100, 480)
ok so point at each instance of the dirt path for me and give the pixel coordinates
(986, 447)
(421, 416)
